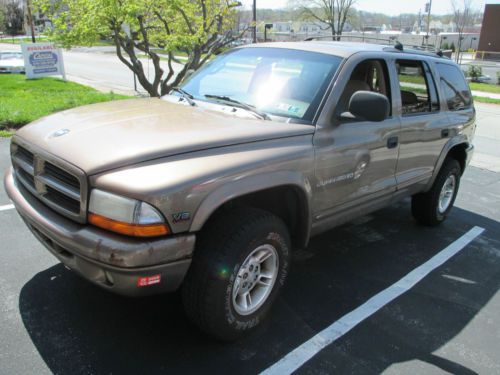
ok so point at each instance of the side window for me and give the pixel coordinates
(418, 89)
(369, 75)
(454, 88)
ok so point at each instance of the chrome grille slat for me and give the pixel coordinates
(62, 176)
(24, 165)
(27, 181)
(56, 183)
(70, 191)
(25, 155)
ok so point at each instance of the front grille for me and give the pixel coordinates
(59, 185)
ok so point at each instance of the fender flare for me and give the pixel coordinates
(453, 142)
(253, 184)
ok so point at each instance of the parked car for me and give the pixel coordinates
(209, 189)
(480, 79)
(11, 62)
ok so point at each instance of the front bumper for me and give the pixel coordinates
(114, 262)
(469, 152)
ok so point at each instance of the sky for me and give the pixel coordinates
(390, 7)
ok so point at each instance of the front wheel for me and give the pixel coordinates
(432, 208)
(241, 261)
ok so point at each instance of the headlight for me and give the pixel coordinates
(125, 216)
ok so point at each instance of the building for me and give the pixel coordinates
(489, 39)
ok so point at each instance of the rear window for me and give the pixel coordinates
(454, 87)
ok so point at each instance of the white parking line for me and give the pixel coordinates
(7, 207)
(300, 355)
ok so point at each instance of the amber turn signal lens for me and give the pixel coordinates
(135, 230)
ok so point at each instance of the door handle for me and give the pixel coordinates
(392, 142)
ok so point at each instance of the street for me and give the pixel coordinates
(52, 321)
(98, 67)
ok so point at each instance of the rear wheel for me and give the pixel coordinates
(432, 208)
(241, 262)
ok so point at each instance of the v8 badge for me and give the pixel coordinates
(181, 216)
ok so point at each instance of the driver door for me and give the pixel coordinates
(355, 159)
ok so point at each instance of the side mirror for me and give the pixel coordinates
(368, 106)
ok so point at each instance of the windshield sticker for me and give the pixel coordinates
(288, 108)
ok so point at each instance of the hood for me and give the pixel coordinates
(110, 135)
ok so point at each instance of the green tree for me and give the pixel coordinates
(474, 72)
(2, 18)
(14, 17)
(199, 28)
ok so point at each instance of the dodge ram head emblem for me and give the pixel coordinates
(60, 133)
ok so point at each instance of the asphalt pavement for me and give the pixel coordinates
(52, 321)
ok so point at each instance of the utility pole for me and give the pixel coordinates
(254, 19)
(428, 8)
(30, 20)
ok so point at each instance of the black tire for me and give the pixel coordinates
(425, 206)
(224, 244)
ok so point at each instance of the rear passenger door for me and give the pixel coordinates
(424, 127)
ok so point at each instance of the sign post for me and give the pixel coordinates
(43, 59)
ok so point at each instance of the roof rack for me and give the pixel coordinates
(392, 42)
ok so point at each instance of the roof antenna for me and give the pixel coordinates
(398, 46)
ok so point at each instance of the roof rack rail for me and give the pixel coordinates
(392, 42)
(337, 38)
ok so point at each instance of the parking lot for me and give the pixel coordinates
(54, 322)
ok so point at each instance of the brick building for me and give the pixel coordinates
(489, 39)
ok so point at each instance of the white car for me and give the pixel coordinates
(11, 62)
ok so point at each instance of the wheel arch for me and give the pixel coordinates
(285, 194)
(455, 148)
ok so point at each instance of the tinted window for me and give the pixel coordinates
(418, 90)
(369, 75)
(455, 89)
(281, 82)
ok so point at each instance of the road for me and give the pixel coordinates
(99, 68)
(51, 321)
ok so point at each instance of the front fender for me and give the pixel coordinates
(253, 184)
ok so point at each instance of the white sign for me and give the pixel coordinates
(43, 59)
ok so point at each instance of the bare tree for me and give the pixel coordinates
(329, 14)
(463, 16)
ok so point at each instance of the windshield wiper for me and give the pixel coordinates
(236, 103)
(186, 96)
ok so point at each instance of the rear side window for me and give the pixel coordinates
(454, 88)
(418, 90)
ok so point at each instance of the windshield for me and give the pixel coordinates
(276, 81)
(10, 55)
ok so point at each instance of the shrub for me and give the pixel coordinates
(474, 72)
